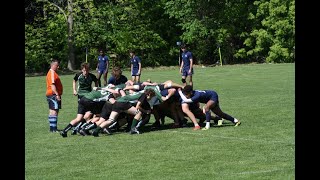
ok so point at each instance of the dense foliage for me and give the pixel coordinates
(244, 30)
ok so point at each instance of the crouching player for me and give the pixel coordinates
(125, 104)
(210, 98)
(91, 103)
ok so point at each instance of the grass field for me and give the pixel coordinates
(261, 96)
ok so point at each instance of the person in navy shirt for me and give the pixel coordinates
(135, 66)
(208, 97)
(102, 67)
(186, 67)
(117, 77)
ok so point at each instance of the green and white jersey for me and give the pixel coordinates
(132, 98)
(84, 83)
(98, 95)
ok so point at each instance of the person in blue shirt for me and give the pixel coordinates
(211, 101)
(117, 77)
(186, 67)
(102, 67)
(135, 62)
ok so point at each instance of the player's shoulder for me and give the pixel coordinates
(92, 75)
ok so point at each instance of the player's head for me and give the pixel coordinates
(101, 52)
(183, 47)
(187, 90)
(149, 93)
(132, 53)
(85, 68)
(54, 64)
(116, 72)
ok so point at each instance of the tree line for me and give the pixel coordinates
(74, 30)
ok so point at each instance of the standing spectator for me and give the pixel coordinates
(186, 67)
(53, 94)
(82, 81)
(135, 67)
(117, 77)
(102, 67)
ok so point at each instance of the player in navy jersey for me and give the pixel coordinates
(117, 77)
(210, 98)
(135, 62)
(102, 67)
(186, 67)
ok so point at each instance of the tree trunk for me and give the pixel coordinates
(71, 56)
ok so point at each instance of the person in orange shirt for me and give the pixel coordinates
(53, 94)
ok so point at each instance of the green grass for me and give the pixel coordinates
(262, 96)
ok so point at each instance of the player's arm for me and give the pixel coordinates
(145, 83)
(74, 86)
(139, 71)
(54, 90)
(107, 63)
(139, 104)
(191, 63)
(97, 65)
(186, 110)
(181, 66)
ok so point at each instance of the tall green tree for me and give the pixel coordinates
(272, 39)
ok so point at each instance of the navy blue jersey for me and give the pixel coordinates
(112, 80)
(135, 62)
(102, 62)
(200, 96)
(186, 56)
(204, 96)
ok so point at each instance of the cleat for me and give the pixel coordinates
(95, 133)
(74, 132)
(205, 128)
(220, 122)
(63, 134)
(134, 131)
(83, 132)
(196, 128)
(107, 131)
(237, 124)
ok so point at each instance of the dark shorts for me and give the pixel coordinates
(121, 106)
(85, 105)
(53, 103)
(135, 72)
(185, 72)
(102, 71)
(106, 110)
